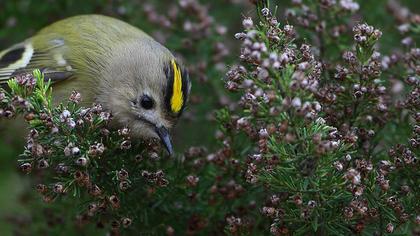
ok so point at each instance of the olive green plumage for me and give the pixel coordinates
(110, 62)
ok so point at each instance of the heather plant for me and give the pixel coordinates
(319, 134)
(315, 126)
(67, 143)
(77, 157)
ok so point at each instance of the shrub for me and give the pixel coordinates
(319, 137)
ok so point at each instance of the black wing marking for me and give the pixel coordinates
(11, 57)
(22, 58)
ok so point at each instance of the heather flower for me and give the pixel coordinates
(75, 97)
(338, 165)
(96, 150)
(389, 228)
(62, 168)
(114, 201)
(353, 176)
(192, 181)
(349, 5)
(26, 80)
(82, 161)
(75, 151)
(2, 96)
(43, 164)
(125, 145)
(58, 188)
(105, 116)
(26, 167)
(124, 132)
(248, 23)
(41, 188)
(65, 115)
(126, 222)
(124, 185)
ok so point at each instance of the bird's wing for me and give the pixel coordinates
(26, 57)
(68, 48)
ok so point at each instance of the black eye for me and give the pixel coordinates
(146, 102)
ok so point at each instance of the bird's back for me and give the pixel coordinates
(99, 35)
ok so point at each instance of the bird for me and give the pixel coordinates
(109, 62)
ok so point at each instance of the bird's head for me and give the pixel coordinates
(152, 91)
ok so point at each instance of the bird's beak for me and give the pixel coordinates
(163, 134)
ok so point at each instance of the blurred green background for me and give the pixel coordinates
(20, 19)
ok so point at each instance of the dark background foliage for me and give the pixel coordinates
(209, 62)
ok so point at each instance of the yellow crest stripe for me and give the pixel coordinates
(177, 96)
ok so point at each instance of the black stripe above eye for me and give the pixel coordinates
(169, 89)
(11, 57)
(185, 86)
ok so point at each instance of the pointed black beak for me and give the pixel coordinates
(163, 134)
